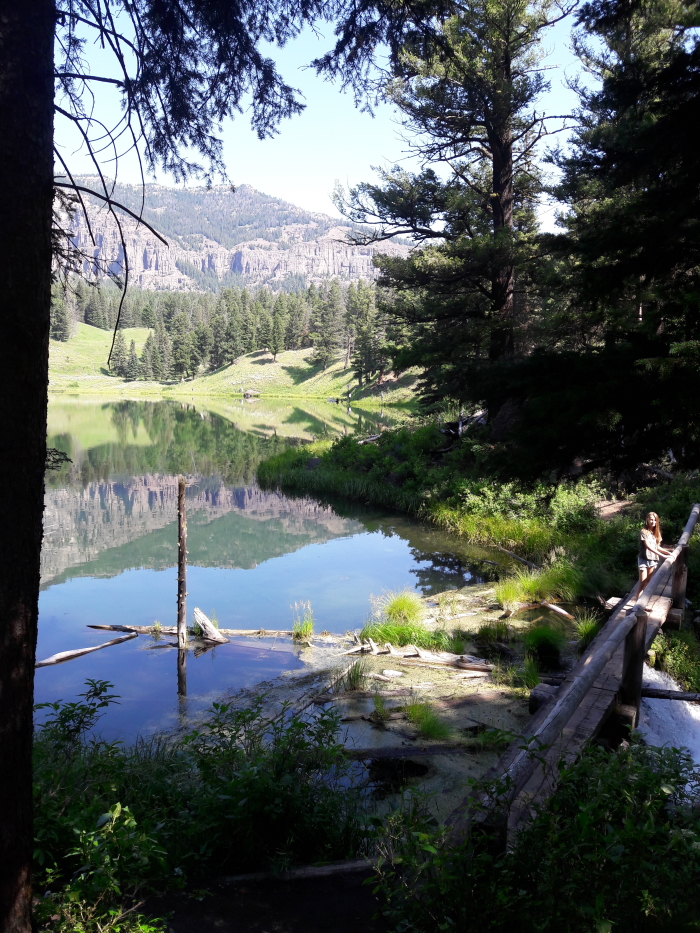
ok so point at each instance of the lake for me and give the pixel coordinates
(110, 547)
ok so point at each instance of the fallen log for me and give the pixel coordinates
(528, 563)
(405, 751)
(653, 694)
(79, 652)
(557, 609)
(312, 871)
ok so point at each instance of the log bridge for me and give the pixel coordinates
(605, 683)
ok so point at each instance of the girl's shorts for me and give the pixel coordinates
(649, 564)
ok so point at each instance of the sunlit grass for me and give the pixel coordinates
(560, 581)
(530, 674)
(409, 633)
(404, 607)
(355, 677)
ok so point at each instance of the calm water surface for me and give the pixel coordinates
(110, 548)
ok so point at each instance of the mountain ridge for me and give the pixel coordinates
(219, 236)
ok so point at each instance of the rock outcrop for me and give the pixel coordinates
(206, 231)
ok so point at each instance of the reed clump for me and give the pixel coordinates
(587, 624)
(544, 643)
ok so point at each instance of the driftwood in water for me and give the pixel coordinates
(79, 652)
(528, 563)
(171, 630)
(209, 631)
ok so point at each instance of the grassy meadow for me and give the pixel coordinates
(80, 367)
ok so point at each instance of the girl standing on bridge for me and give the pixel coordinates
(650, 550)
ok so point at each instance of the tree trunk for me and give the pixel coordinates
(503, 281)
(26, 137)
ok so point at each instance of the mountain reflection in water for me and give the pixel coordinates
(110, 548)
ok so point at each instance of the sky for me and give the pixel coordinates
(332, 140)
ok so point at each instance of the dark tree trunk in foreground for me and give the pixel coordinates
(26, 136)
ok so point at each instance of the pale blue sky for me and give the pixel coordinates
(331, 139)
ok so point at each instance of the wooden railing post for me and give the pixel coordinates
(680, 579)
(633, 665)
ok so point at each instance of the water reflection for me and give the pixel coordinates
(110, 548)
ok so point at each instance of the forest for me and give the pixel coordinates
(201, 332)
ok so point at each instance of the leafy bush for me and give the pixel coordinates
(615, 848)
(678, 653)
(241, 791)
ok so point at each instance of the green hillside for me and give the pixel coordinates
(80, 367)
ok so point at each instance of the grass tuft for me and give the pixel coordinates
(492, 632)
(409, 633)
(530, 675)
(426, 720)
(560, 581)
(544, 644)
(303, 624)
(586, 626)
(355, 677)
(401, 608)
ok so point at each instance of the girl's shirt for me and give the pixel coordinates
(647, 538)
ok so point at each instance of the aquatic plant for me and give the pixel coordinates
(544, 643)
(447, 601)
(426, 720)
(303, 624)
(587, 624)
(381, 711)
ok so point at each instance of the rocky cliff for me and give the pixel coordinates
(218, 236)
(83, 522)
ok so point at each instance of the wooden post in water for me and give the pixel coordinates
(633, 666)
(181, 589)
(181, 566)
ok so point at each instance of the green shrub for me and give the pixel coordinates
(615, 848)
(241, 791)
(544, 643)
(678, 653)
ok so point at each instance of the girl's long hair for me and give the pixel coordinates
(657, 530)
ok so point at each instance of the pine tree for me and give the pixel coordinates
(263, 329)
(148, 317)
(279, 326)
(132, 366)
(182, 344)
(296, 322)
(94, 309)
(328, 331)
(119, 360)
(60, 319)
(164, 348)
(201, 345)
(218, 354)
(146, 362)
(156, 364)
